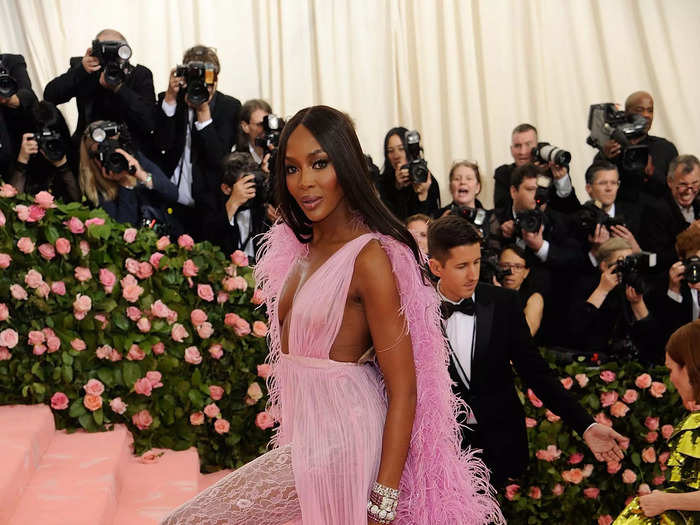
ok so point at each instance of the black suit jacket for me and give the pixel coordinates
(502, 337)
(209, 146)
(15, 121)
(670, 314)
(132, 104)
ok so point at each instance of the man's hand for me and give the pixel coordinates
(203, 111)
(29, 147)
(675, 275)
(507, 229)
(403, 179)
(534, 241)
(599, 236)
(624, 233)
(423, 188)
(241, 192)
(611, 149)
(654, 504)
(605, 443)
(636, 300)
(174, 85)
(107, 85)
(558, 172)
(12, 102)
(90, 63)
(608, 279)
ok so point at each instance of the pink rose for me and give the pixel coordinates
(257, 297)
(63, 246)
(22, 212)
(239, 258)
(102, 320)
(189, 268)
(107, 279)
(94, 387)
(643, 381)
(84, 248)
(535, 492)
(216, 351)
(143, 386)
(575, 476)
(9, 338)
(659, 480)
(614, 467)
(144, 325)
(667, 431)
(605, 519)
(117, 405)
(651, 437)
(25, 245)
(155, 378)
(239, 283)
(33, 279)
(39, 349)
(36, 213)
(558, 489)
(163, 243)
(221, 297)
(608, 376)
(59, 288)
(643, 489)
(4, 312)
(230, 319)
(75, 225)
(103, 352)
(53, 343)
(43, 290)
(608, 398)
(551, 416)
(3, 220)
(211, 410)
(619, 409)
(567, 382)
(192, 355)
(5, 260)
(5, 354)
(205, 330)
(78, 345)
(7, 191)
(158, 348)
(130, 290)
(264, 421)
(185, 241)
(18, 292)
(575, 459)
(130, 235)
(216, 392)
(196, 418)
(133, 313)
(631, 395)
(142, 419)
(47, 251)
(657, 389)
(259, 329)
(205, 292)
(144, 271)
(44, 199)
(36, 337)
(59, 401)
(534, 399)
(92, 403)
(155, 259)
(242, 327)
(178, 333)
(663, 457)
(115, 356)
(82, 305)
(652, 423)
(591, 492)
(529, 422)
(197, 316)
(228, 284)
(549, 454)
(135, 353)
(628, 476)
(83, 274)
(264, 372)
(131, 265)
(649, 455)
(221, 426)
(97, 221)
(160, 309)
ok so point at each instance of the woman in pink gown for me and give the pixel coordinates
(359, 382)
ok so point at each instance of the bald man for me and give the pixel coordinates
(650, 184)
(130, 102)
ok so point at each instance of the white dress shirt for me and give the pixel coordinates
(694, 299)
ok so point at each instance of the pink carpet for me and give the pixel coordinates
(49, 477)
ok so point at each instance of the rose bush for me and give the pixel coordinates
(108, 324)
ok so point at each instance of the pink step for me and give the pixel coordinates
(150, 490)
(76, 481)
(25, 434)
(207, 480)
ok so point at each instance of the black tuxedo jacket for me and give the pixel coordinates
(671, 315)
(15, 121)
(502, 337)
(132, 104)
(209, 146)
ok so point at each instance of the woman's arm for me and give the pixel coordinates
(533, 312)
(659, 502)
(389, 332)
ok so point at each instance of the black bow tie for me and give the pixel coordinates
(466, 306)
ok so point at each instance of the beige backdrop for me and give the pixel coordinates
(463, 72)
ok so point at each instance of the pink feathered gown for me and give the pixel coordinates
(331, 415)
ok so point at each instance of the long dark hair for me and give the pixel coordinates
(335, 133)
(388, 170)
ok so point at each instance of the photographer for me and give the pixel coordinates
(465, 186)
(252, 114)
(523, 142)
(237, 214)
(418, 226)
(107, 86)
(46, 161)
(197, 127)
(651, 179)
(608, 314)
(119, 178)
(16, 101)
(403, 196)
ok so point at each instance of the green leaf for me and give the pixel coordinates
(98, 416)
(107, 305)
(87, 422)
(197, 378)
(67, 373)
(67, 358)
(131, 373)
(77, 409)
(51, 234)
(120, 321)
(196, 398)
(37, 371)
(38, 389)
(636, 459)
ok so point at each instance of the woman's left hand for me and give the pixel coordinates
(654, 504)
(422, 189)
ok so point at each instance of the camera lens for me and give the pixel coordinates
(98, 134)
(124, 52)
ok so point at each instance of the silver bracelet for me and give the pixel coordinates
(382, 504)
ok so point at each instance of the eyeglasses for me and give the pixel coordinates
(518, 267)
(683, 186)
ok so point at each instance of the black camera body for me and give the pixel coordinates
(606, 122)
(50, 144)
(417, 165)
(633, 270)
(272, 126)
(198, 76)
(692, 269)
(529, 221)
(262, 189)
(490, 270)
(8, 85)
(546, 153)
(591, 215)
(114, 58)
(111, 136)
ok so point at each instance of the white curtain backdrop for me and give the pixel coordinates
(463, 72)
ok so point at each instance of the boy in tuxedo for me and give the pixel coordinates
(487, 332)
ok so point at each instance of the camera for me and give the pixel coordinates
(633, 268)
(529, 221)
(490, 269)
(545, 152)
(113, 56)
(109, 137)
(50, 144)
(606, 122)
(591, 215)
(417, 165)
(198, 76)
(8, 85)
(477, 216)
(272, 126)
(692, 269)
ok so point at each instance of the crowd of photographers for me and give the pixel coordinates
(608, 275)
